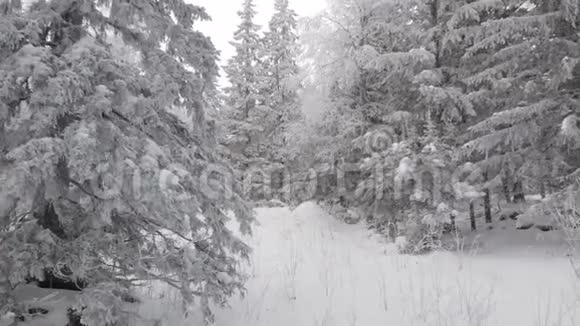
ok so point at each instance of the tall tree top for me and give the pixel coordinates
(247, 26)
(241, 69)
(283, 13)
(281, 50)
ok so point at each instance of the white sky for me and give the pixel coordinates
(225, 19)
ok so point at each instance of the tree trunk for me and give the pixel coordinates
(519, 196)
(486, 200)
(453, 224)
(434, 11)
(472, 216)
(392, 229)
(542, 188)
(506, 188)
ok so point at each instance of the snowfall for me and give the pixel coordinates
(309, 268)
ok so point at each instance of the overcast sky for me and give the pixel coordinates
(225, 19)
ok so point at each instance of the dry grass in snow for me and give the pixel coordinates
(311, 269)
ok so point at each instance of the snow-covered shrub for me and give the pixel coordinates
(422, 237)
(336, 209)
(406, 191)
(537, 215)
(426, 234)
(401, 243)
(565, 211)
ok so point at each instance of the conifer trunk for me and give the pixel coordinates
(392, 229)
(472, 215)
(434, 11)
(505, 186)
(518, 192)
(453, 224)
(486, 200)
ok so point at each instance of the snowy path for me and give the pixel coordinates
(309, 269)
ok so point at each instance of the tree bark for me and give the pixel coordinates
(518, 191)
(486, 200)
(453, 224)
(434, 11)
(472, 215)
(506, 188)
(392, 229)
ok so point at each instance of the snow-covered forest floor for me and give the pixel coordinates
(310, 269)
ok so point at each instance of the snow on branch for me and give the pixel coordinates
(471, 12)
(398, 60)
(514, 116)
(513, 137)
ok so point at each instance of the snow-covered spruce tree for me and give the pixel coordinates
(514, 52)
(279, 77)
(99, 181)
(443, 109)
(247, 119)
(490, 56)
(241, 124)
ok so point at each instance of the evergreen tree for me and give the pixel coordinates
(242, 118)
(280, 73)
(100, 181)
(280, 52)
(514, 52)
